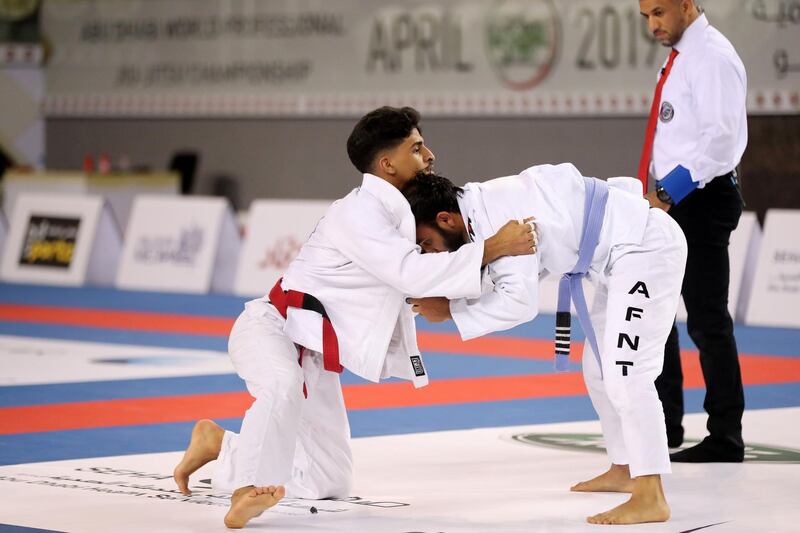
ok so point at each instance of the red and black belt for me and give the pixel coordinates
(282, 300)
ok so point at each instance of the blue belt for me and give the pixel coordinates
(570, 286)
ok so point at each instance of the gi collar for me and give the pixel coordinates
(388, 194)
(467, 211)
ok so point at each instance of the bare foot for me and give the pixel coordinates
(204, 447)
(249, 502)
(647, 504)
(616, 479)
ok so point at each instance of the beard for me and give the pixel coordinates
(453, 240)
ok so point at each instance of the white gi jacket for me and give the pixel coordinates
(555, 196)
(361, 262)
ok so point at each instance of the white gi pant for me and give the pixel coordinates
(625, 398)
(285, 438)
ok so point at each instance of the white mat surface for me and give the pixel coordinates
(459, 481)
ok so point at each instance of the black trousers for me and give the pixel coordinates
(707, 217)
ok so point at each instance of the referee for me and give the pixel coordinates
(695, 138)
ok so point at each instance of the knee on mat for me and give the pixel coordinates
(340, 478)
(333, 483)
(341, 486)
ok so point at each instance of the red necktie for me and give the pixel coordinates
(647, 149)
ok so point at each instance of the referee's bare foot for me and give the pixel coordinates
(249, 502)
(617, 479)
(204, 447)
(647, 504)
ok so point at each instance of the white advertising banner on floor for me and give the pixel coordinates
(775, 298)
(742, 253)
(183, 244)
(276, 230)
(61, 240)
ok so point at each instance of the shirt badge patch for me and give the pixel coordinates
(667, 112)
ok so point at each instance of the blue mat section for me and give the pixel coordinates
(117, 390)
(439, 366)
(115, 336)
(98, 442)
(106, 298)
(43, 446)
(102, 442)
(750, 339)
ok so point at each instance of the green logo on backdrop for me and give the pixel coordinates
(754, 453)
(522, 41)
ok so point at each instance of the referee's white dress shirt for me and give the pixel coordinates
(702, 123)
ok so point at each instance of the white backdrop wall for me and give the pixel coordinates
(446, 57)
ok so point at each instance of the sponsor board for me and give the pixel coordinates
(118, 189)
(61, 240)
(775, 295)
(276, 230)
(183, 244)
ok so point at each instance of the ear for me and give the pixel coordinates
(445, 220)
(385, 166)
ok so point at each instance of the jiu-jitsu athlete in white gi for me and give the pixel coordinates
(341, 303)
(635, 255)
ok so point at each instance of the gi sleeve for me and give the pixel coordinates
(514, 299)
(372, 240)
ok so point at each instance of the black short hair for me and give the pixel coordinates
(381, 129)
(430, 194)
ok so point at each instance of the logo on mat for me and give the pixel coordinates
(587, 442)
(49, 241)
(667, 112)
(416, 362)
